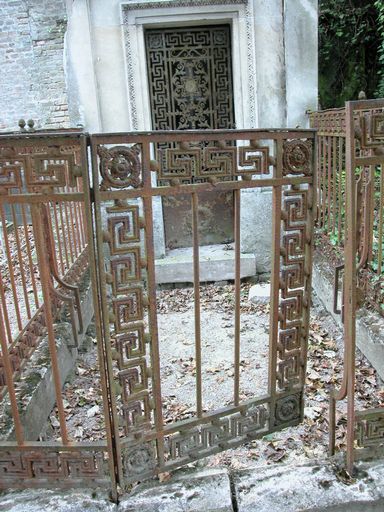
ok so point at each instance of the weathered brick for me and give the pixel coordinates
(32, 79)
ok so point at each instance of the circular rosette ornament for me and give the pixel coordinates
(287, 409)
(297, 157)
(139, 460)
(120, 166)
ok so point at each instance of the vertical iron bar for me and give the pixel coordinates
(308, 258)
(63, 231)
(237, 297)
(350, 282)
(151, 280)
(275, 280)
(45, 278)
(329, 182)
(381, 222)
(20, 262)
(79, 225)
(5, 309)
(76, 228)
(114, 459)
(334, 188)
(317, 184)
(196, 295)
(323, 180)
(72, 229)
(59, 242)
(10, 384)
(29, 254)
(340, 204)
(68, 229)
(10, 268)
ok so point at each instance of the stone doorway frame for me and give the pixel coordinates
(136, 17)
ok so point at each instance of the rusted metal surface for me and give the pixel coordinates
(33, 167)
(360, 130)
(44, 193)
(124, 191)
(331, 189)
(119, 245)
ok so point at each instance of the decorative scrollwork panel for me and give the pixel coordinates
(294, 286)
(152, 439)
(370, 428)
(53, 468)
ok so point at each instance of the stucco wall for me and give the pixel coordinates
(63, 72)
(32, 77)
(284, 50)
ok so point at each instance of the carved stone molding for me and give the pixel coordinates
(129, 29)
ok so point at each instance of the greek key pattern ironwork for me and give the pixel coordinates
(148, 444)
(220, 161)
(329, 122)
(37, 168)
(127, 317)
(196, 64)
(294, 288)
(200, 441)
(54, 468)
(369, 134)
(369, 428)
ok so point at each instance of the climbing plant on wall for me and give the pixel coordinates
(351, 49)
(379, 4)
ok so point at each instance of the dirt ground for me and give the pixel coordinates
(82, 395)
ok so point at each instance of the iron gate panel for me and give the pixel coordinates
(123, 192)
(44, 187)
(119, 249)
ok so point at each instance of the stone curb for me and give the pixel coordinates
(317, 486)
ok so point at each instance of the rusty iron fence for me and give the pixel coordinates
(107, 227)
(29, 166)
(45, 227)
(350, 208)
(331, 193)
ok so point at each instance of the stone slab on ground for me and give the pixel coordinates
(260, 292)
(318, 486)
(217, 263)
(46, 500)
(309, 488)
(205, 491)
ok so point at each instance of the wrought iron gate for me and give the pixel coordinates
(358, 131)
(48, 173)
(123, 194)
(44, 187)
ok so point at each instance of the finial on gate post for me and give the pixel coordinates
(22, 124)
(31, 124)
(362, 95)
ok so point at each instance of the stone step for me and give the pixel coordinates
(217, 263)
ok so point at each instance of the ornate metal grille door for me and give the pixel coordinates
(143, 442)
(190, 84)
